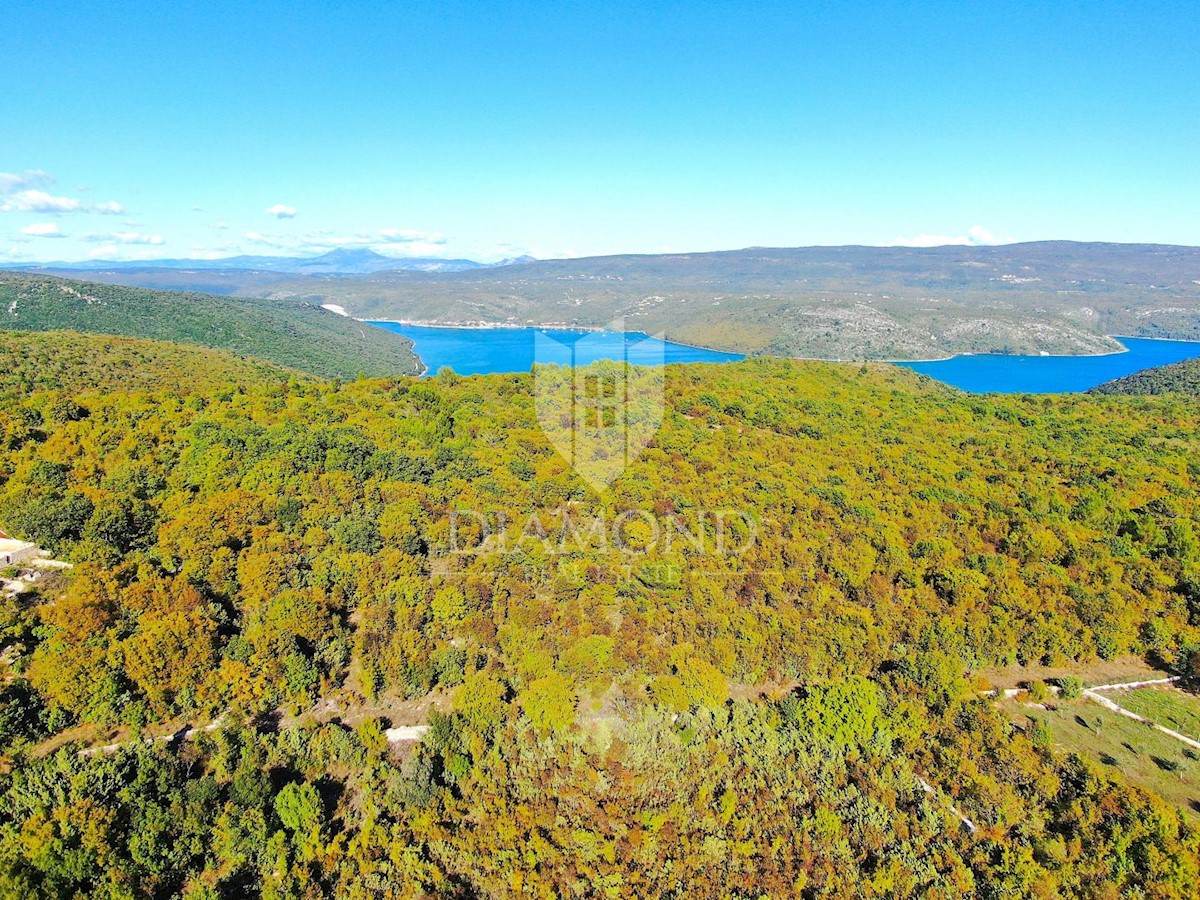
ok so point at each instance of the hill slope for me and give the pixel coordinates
(1057, 297)
(1177, 378)
(71, 362)
(744, 670)
(292, 333)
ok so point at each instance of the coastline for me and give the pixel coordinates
(1123, 349)
(1116, 337)
(1140, 337)
(739, 354)
(555, 326)
(735, 356)
(483, 326)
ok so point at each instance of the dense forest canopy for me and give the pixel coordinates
(70, 362)
(742, 670)
(285, 331)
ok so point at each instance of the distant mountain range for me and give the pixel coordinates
(854, 302)
(345, 261)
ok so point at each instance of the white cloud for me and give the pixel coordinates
(981, 236)
(280, 211)
(212, 252)
(322, 239)
(411, 249)
(410, 242)
(976, 236)
(39, 202)
(22, 194)
(388, 241)
(36, 201)
(133, 237)
(121, 251)
(255, 237)
(43, 229)
(15, 254)
(113, 238)
(409, 235)
(15, 181)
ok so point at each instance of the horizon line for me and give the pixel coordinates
(526, 258)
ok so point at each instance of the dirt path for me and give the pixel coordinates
(185, 735)
(1093, 694)
(351, 711)
(1110, 704)
(932, 791)
(1130, 685)
(408, 720)
(1010, 693)
(1125, 668)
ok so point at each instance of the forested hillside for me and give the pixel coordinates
(1178, 378)
(71, 362)
(292, 333)
(751, 678)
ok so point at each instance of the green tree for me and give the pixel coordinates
(302, 813)
(549, 702)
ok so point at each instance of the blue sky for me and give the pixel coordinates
(488, 130)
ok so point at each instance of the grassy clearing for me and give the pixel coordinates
(1170, 707)
(1146, 757)
(1100, 671)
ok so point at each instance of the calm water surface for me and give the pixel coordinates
(475, 351)
(478, 351)
(1053, 374)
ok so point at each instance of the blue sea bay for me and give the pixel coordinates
(1001, 373)
(475, 351)
(479, 351)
